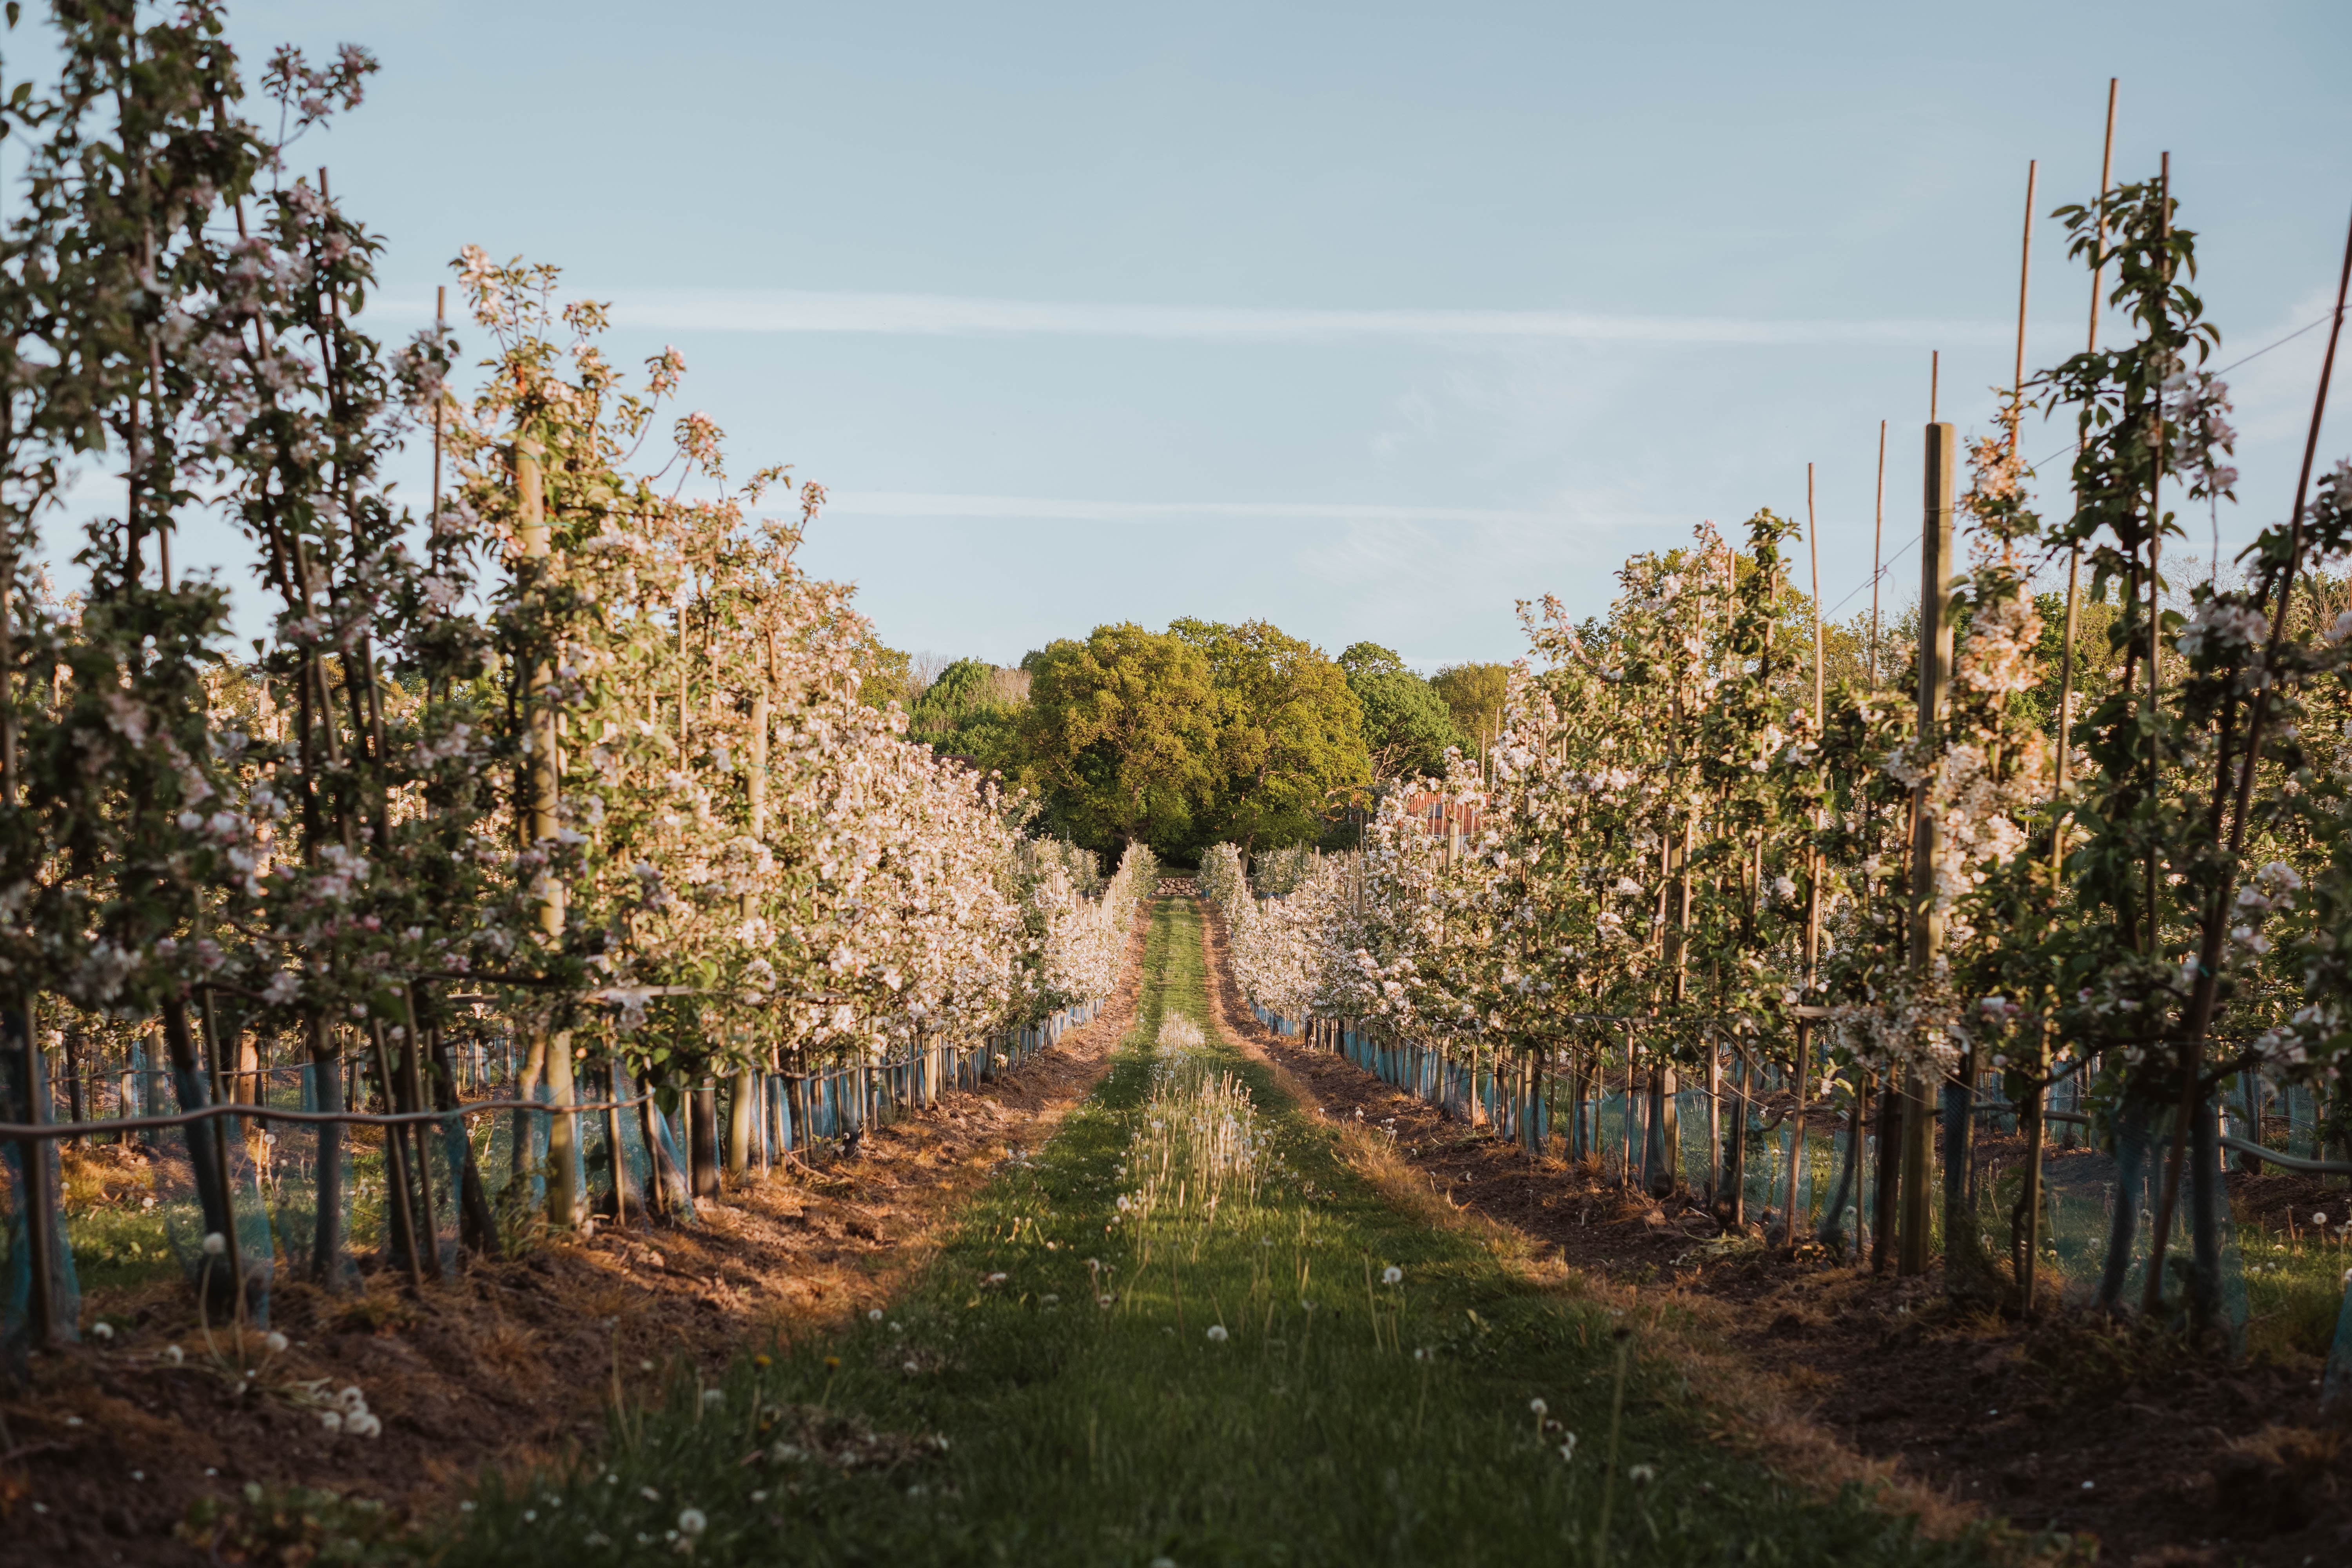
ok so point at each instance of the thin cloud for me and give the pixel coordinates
(786, 310)
(926, 503)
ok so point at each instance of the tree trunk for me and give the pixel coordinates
(477, 1225)
(1831, 1231)
(703, 1114)
(1968, 1272)
(740, 1103)
(75, 1100)
(327, 1233)
(222, 1281)
(1663, 1143)
(2133, 1142)
(1886, 1209)
(1734, 1206)
(2206, 1200)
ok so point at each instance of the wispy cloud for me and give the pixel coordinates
(945, 315)
(1055, 509)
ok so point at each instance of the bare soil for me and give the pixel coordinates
(514, 1363)
(2142, 1449)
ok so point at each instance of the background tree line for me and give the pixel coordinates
(1201, 733)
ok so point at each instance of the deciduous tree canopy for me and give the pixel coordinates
(1120, 734)
(1406, 724)
(1290, 741)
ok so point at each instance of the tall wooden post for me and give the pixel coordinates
(543, 800)
(1812, 941)
(1926, 926)
(746, 1095)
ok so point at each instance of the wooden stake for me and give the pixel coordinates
(1877, 540)
(1926, 926)
(2024, 279)
(545, 799)
(1812, 888)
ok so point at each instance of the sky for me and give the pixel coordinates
(1369, 320)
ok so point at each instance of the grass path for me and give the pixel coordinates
(1166, 1338)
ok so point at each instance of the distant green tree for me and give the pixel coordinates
(1290, 740)
(960, 687)
(1119, 736)
(1407, 725)
(1474, 696)
(884, 676)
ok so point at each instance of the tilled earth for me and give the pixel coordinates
(104, 1452)
(2138, 1449)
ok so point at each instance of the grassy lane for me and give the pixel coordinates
(1170, 1337)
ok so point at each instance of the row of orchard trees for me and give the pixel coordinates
(582, 737)
(1689, 842)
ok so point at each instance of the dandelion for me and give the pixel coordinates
(1567, 1447)
(713, 1398)
(2319, 1219)
(1216, 1333)
(692, 1522)
(874, 1314)
(1391, 1275)
(1104, 1301)
(102, 1330)
(274, 1342)
(1642, 1475)
(174, 1354)
(214, 1244)
(1539, 1408)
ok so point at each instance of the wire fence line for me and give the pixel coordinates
(1727, 1149)
(280, 1182)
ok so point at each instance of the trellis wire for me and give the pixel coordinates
(272, 1144)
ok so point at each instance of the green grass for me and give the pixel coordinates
(2294, 1290)
(1082, 1433)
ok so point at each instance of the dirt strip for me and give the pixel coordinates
(508, 1365)
(1838, 1373)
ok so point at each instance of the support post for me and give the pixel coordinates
(1926, 925)
(543, 799)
